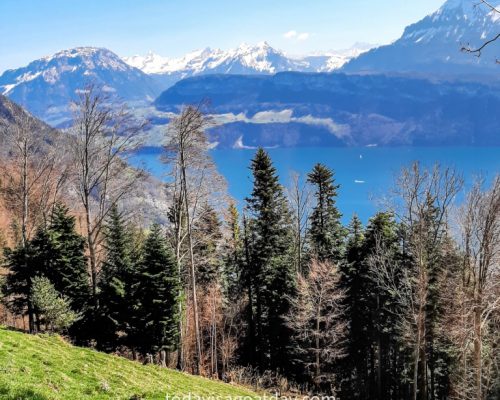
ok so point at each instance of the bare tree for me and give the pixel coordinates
(230, 334)
(193, 182)
(211, 324)
(424, 201)
(316, 318)
(475, 326)
(101, 137)
(299, 196)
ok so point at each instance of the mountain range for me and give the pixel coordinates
(246, 59)
(46, 86)
(429, 50)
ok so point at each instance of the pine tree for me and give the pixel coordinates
(270, 264)
(53, 309)
(383, 336)
(17, 286)
(234, 257)
(59, 254)
(114, 283)
(156, 326)
(354, 281)
(326, 233)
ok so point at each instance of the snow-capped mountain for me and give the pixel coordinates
(261, 58)
(46, 86)
(246, 59)
(433, 45)
(334, 60)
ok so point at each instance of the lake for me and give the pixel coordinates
(365, 174)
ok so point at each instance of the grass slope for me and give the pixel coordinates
(45, 367)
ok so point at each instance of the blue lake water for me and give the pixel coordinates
(365, 174)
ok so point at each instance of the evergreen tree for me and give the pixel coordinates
(385, 377)
(17, 286)
(326, 233)
(115, 298)
(234, 257)
(59, 254)
(56, 252)
(270, 267)
(375, 365)
(52, 308)
(355, 282)
(156, 322)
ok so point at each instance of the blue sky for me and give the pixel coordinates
(30, 29)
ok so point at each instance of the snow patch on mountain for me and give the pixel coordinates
(258, 59)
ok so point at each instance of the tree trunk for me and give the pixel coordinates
(318, 348)
(477, 352)
(379, 367)
(299, 242)
(92, 253)
(148, 359)
(379, 354)
(178, 249)
(251, 326)
(416, 363)
(24, 234)
(163, 358)
(192, 269)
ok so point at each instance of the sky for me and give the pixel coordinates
(30, 29)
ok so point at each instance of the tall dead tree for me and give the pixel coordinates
(102, 134)
(424, 201)
(193, 183)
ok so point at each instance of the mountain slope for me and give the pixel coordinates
(46, 86)
(9, 114)
(433, 45)
(148, 200)
(45, 367)
(293, 109)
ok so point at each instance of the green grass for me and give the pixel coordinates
(46, 367)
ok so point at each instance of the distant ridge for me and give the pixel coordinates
(292, 109)
(246, 59)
